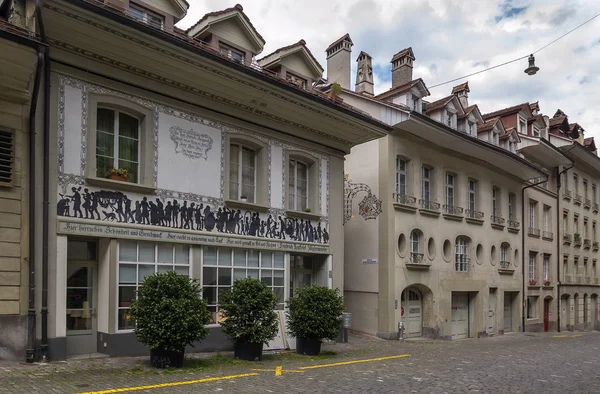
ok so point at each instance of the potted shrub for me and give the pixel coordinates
(577, 237)
(547, 283)
(314, 313)
(307, 210)
(334, 92)
(532, 282)
(117, 174)
(243, 198)
(249, 317)
(169, 314)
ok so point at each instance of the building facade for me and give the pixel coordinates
(233, 170)
(444, 256)
(20, 50)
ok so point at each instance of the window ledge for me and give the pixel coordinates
(429, 212)
(404, 207)
(514, 230)
(449, 216)
(548, 287)
(535, 287)
(119, 185)
(303, 215)
(506, 271)
(474, 221)
(498, 226)
(246, 205)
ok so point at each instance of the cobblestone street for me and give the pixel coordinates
(517, 363)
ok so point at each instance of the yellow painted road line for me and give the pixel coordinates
(171, 384)
(559, 336)
(368, 360)
(275, 370)
(278, 371)
(576, 335)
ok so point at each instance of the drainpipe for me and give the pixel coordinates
(31, 330)
(46, 188)
(558, 258)
(523, 248)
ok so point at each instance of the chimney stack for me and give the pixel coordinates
(338, 61)
(364, 74)
(402, 67)
(462, 92)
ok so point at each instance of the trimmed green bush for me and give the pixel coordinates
(248, 311)
(169, 312)
(315, 312)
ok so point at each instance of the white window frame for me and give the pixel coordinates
(532, 208)
(531, 271)
(415, 242)
(415, 101)
(546, 267)
(264, 265)
(401, 176)
(576, 183)
(585, 188)
(450, 189)
(449, 119)
(116, 136)
(461, 255)
(295, 202)
(546, 214)
(229, 51)
(495, 201)
(146, 14)
(511, 206)
(503, 253)
(241, 148)
(426, 183)
(470, 128)
(472, 194)
(156, 265)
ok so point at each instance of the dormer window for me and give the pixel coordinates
(449, 118)
(146, 16)
(415, 101)
(295, 79)
(231, 53)
(470, 127)
(522, 126)
(536, 132)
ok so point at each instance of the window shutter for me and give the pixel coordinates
(7, 143)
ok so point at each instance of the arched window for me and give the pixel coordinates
(504, 255)
(462, 257)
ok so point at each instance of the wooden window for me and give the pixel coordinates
(7, 146)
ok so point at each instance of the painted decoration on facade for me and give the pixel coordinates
(115, 206)
(369, 207)
(191, 143)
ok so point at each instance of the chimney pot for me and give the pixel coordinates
(338, 61)
(402, 67)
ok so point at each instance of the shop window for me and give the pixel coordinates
(140, 259)
(223, 266)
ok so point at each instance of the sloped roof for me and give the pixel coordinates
(509, 111)
(461, 87)
(362, 53)
(590, 143)
(282, 52)
(534, 106)
(342, 38)
(216, 16)
(403, 88)
(405, 52)
(557, 121)
(441, 103)
(488, 125)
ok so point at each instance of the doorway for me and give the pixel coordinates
(81, 300)
(492, 311)
(411, 314)
(508, 312)
(302, 272)
(460, 315)
(546, 314)
(594, 311)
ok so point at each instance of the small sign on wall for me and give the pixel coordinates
(369, 261)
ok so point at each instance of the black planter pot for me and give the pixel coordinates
(160, 358)
(248, 351)
(308, 346)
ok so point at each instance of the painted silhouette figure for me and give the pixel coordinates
(169, 213)
(281, 228)
(176, 211)
(269, 227)
(160, 211)
(87, 203)
(185, 220)
(76, 198)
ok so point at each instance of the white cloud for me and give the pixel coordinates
(449, 39)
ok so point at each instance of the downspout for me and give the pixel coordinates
(523, 248)
(31, 314)
(46, 188)
(558, 258)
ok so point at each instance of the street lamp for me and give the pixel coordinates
(532, 69)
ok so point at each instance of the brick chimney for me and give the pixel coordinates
(462, 92)
(338, 61)
(402, 67)
(364, 74)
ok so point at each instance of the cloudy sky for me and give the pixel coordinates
(452, 38)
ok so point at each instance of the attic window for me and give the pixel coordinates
(7, 142)
(536, 132)
(295, 79)
(522, 126)
(231, 53)
(146, 16)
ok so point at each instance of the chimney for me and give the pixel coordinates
(338, 61)
(364, 74)
(402, 66)
(462, 92)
